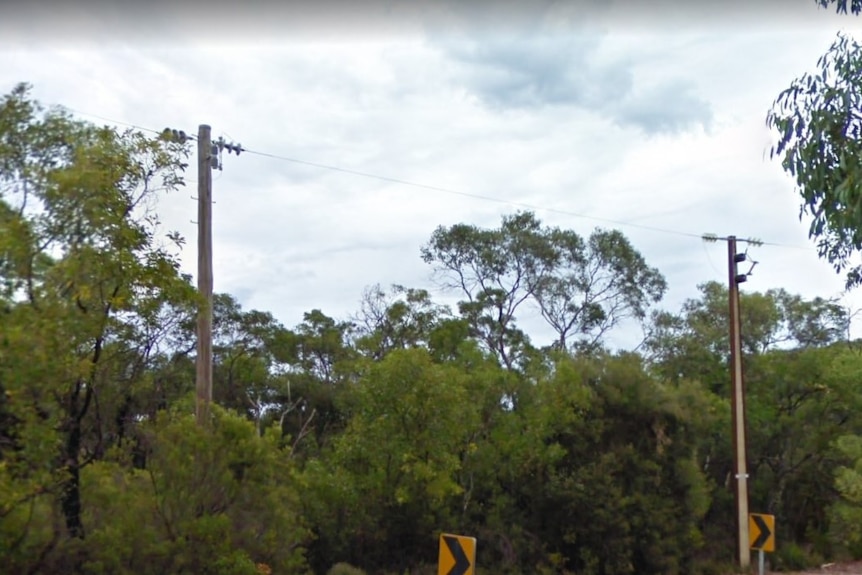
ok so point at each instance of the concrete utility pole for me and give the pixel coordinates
(204, 364)
(209, 158)
(740, 464)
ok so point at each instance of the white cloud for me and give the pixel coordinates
(416, 102)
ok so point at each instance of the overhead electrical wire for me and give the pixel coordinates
(509, 202)
(528, 206)
(118, 122)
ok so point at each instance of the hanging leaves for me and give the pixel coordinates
(818, 121)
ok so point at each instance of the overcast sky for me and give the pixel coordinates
(587, 111)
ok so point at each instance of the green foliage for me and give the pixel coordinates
(338, 443)
(26, 521)
(249, 353)
(820, 145)
(582, 288)
(318, 345)
(792, 557)
(802, 393)
(638, 457)
(86, 290)
(91, 344)
(379, 492)
(217, 500)
(846, 513)
(798, 403)
(694, 344)
(841, 5)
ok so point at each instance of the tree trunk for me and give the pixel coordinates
(71, 499)
(71, 495)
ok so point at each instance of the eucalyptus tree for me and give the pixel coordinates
(818, 123)
(582, 288)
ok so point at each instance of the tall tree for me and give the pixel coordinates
(581, 288)
(597, 284)
(497, 271)
(84, 271)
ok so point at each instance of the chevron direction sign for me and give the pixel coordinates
(761, 531)
(457, 555)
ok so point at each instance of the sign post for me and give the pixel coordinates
(457, 555)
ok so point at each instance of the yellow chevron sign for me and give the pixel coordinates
(457, 555)
(761, 531)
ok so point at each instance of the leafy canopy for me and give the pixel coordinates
(818, 121)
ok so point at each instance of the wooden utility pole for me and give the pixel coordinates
(203, 379)
(740, 464)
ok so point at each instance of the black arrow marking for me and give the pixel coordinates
(462, 564)
(765, 533)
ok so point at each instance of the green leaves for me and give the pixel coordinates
(361, 440)
(215, 500)
(86, 291)
(401, 319)
(846, 513)
(396, 464)
(582, 288)
(819, 128)
(841, 5)
(695, 344)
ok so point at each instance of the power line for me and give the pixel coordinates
(128, 125)
(708, 237)
(528, 206)
(469, 194)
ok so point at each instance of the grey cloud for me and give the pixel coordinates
(536, 71)
(671, 107)
(564, 70)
